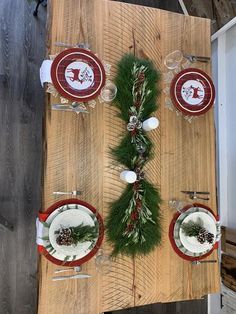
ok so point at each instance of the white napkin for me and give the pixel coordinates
(39, 232)
(45, 72)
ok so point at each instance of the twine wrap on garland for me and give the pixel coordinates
(133, 224)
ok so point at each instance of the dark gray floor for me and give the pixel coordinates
(22, 48)
(21, 106)
(185, 307)
(171, 5)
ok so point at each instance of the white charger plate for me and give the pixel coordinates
(191, 243)
(70, 218)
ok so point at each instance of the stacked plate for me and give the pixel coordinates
(189, 246)
(70, 215)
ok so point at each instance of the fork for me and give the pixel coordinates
(193, 58)
(67, 193)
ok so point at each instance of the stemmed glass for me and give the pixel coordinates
(103, 262)
(177, 205)
(108, 92)
(173, 59)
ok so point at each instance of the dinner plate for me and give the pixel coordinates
(192, 92)
(78, 74)
(58, 254)
(177, 225)
(191, 243)
(66, 219)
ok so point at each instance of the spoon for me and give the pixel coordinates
(195, 197)
(76, 269)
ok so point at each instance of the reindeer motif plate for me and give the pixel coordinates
(77, 74)
(192, 92)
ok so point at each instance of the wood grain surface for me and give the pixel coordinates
(77, 157)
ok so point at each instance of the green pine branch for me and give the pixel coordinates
(191, 228)
(83, 233)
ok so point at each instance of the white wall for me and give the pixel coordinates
(230, 50)
(224, 76)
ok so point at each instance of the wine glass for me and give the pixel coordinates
(177, 205)
(108, 92)
(173, 59)
(103, 262)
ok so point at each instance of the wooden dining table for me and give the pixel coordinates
(77, 157)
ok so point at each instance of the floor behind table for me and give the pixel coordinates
(22, 49)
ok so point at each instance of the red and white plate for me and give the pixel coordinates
(77, 74)
(192, 92)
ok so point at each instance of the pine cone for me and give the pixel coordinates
(65, 237)
(202, 235)
(210, 237)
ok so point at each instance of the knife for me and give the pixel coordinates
(204, 262)
(193, 192)
(71, 277)
(78, 45)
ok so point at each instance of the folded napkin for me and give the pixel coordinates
(39, 232)
(45, 72)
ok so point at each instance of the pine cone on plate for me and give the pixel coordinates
(210, 237)
(64, 237)
(202, 235)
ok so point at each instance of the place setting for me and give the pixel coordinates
(69, 234)
(194, 231)
(77, 78)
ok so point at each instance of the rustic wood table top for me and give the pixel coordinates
(77, 157)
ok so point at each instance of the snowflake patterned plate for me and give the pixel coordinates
(67, 219)
(191, 243)
(78, 74)
(192, 92)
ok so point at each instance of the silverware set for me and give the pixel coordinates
(72, 108)
(77, 269)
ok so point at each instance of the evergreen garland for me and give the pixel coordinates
(133, 224)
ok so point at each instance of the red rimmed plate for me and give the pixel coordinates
(192, 92)
(57, 207)
(172, 231)
(78, 74)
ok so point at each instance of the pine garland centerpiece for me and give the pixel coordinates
(133, 224)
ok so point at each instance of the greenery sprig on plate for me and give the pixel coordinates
(133, 225)
(74, 235)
